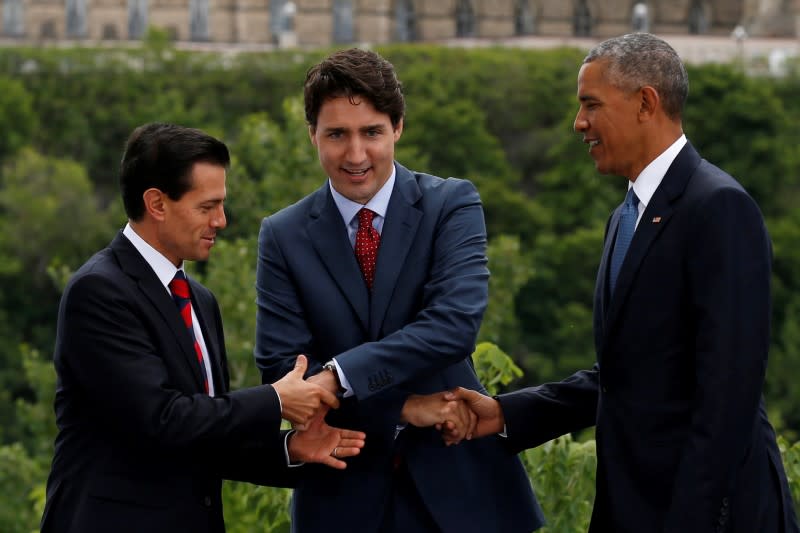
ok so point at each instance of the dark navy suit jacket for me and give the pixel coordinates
(683, 442)
(140, 446)
(413, 334)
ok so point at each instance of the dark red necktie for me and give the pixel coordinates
(179, 288)
(367, 241)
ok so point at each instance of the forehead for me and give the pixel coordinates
(207, 179)
(343, 111)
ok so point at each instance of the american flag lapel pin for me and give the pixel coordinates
(656, 220)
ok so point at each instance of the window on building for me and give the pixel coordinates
(198, 20)
(76, 18)
(13, 18)
(405, 21)
(137, 18)
(582, 19)
(48, 29)
(698, 17)
(524, 18)
(276, 18)
(343, 21)
(465, 19)
(110, 32)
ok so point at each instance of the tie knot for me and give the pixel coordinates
(179, 286)
(365, 217)
(631, 199)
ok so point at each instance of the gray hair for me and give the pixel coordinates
(639, 59)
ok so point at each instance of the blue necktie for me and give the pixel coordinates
(627, 225)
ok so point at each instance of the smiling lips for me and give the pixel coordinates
(356, 173)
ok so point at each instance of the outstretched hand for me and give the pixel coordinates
(300, 399)
(321, 443)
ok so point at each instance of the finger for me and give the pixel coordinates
(328, 398)
(351, 434)
(299, 427)
(350, 443)
(300, 365)
(333, 462)
(346, 451)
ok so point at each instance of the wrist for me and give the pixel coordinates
(330, 366)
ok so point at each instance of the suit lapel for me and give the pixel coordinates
(601, 291)
(399, 229)
(654, 219)
(134, 265)
(329, 237)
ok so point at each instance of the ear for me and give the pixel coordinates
(398, 130)
(312, 131)
(650, 102)
(154, 204)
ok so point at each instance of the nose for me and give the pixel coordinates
(580, 124)
(219, 220)
(356, 153)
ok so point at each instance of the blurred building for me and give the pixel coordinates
(326, 22)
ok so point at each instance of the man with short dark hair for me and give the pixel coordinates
(380, 278)
(681, 321)
(147, 425)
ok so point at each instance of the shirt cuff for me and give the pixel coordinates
(289, 462)
(348, 390)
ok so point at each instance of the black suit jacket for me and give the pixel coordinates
(683, 442)
(140, 446)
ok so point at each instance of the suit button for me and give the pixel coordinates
(724, 502)
(604, 389)
(207, 501)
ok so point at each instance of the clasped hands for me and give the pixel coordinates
(459, 414)
(305, 403)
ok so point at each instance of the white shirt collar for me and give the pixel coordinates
(378, 203)
(650, 178)
(162, 266)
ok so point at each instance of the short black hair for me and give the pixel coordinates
(639, 59)
(161, 156)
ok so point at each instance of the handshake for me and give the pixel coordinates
(459, 414)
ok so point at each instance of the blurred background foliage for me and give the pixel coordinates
(501, 117)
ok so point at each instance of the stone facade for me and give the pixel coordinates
(326, 22)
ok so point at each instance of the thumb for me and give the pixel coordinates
(300, 365)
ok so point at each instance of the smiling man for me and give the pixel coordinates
(147, 424)
(681, 323)
(380, 278)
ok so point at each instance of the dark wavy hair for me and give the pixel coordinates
(354, 73)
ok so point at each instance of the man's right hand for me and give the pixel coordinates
(301, 399)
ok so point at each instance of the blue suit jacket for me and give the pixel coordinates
(683, 441)
(140, 446)
(413, 334)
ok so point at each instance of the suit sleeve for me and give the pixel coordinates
(107, 348)
(535, 415)
(453, 302)
(729, 264)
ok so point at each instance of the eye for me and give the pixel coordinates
(373, 132)
(335, 135)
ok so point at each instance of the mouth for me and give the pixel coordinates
(592, 143)
(210, 239)
(356, 172)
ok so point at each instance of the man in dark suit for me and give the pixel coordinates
(380, 278)
(148, 427)
(681, 323)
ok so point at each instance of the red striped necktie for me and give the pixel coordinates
(179, 288)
